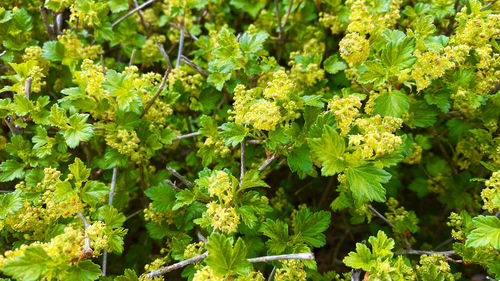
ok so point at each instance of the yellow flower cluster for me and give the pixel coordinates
(292, 270)
(415, 156)
(456, 223)
(75, 49)
(193, 249)
(345, 111)
(206, 273)
(220, 148)
(98, 239)
(66, 246)
(475, 27)
(364, 21)
(469, 151)
(220, 186)
(436, 263)
(157, 216)
(223, 218)
(91, 15)
(190, 82)
(127, 143)
(491, 194)
(429, 65)
(376, 136)
(354, 48)
(331, 21)
(149, 50)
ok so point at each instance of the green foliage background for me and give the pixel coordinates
(137, 135)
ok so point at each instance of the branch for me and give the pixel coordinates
(175, 266)
(162, 84)
(190, 135)
(174, 186)
(49, 30)
(288, 13)
(242, 162)
(132, 12)
(181, 46)
(133, 214)
(27, 87)
(381, 216)
(86, 224)
(193, 65)
(132, 57)
(3, 53)
(418, 252)
(301, 256)
(279, 19)
(181, 264)
(164, 54)
(110, 202)
(362, 87)
(102, 65)
(497, 87)
(267, 162)
(185, 31)
(143, 22)
(180, 177)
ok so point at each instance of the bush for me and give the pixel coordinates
(198, 140)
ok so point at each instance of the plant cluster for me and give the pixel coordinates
(249, 140)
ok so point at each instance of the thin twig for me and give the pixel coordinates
(131, 12)
(160, 88)
(287, 13)
(185, 31)
(132, 57)
(194, 66)
(6, 191)
(180, 177)
(301, 256)
(201, 237)
(3, 53)
(242, 162)
(487, 5)
(443, 244)
(362, 87)
(110, 202)
(279, 19)
(267, 162)
(27, 87)
(86, 224)
(174, 186)
(418, 252)
(181, 46)
(133, 214)
(495, 90)
(175, 266)
(271, 275)
(102, 65)
(190, 135)
(143, 22)
(181, 264)
(49, 30)
(381, 216)
(59, 22)
(164, 54)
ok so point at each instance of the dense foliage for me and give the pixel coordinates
(359, 138)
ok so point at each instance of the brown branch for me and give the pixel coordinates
(194, 66)
(131, 12)
(143, 22)
(381, 216)
(132, 57)
(267, 162)
(279, 19)
(160, 88)
(287, 13)
(180, 177)
(45, 21)
(164, 54)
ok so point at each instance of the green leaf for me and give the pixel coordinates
(84, 270)
(117, 6)
(225, 259)
(93, 192)
(63, 191)
(399, 54)
(253, 43)
(373, 72)
(163, 197)
(218, 79)
(58, 117)
(120, 86)
(299, 159)
(381, 245)
(422, 115)
(233, 133)
(309, 225)
(21, 105)
(129, 275)
(393, 104)
(486, 232)
(30, 266)
(80, 171)
(334, 64)
(79, 130)
(277, 231)
(208, 126)
(361, 259)
(110, 216)
(364, 183)
(11, 169)
(53, 51)
(251, 179)
(10, 203)
(183, 198)
(328, 149)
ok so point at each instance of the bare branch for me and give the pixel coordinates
(164, 54)
(287, 13)
(301, 256)
(418, 252)
(190, 135)
(271, 275)
(381, 216)
(181, 264)
(181, 46)
(3, 53)
(6, 191)
(185, 31)
(180, 177)
(171, 183)
(131, 12)
(113, 184)
(160, 88)
(143, 22)
(86, 224)
(132, 57)
(201, 237)
(175, 266)
(133, 214)
(362, 87)
(193, 65)
(267, 162)
(27, 87)
(49, 30)
(279, 19)
(497, 87)
(242, 162)
(102, 65)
